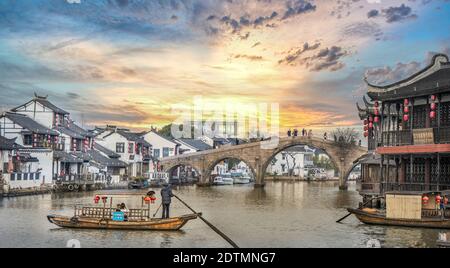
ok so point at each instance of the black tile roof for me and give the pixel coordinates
(73, 130)
(106, 151)
(197, 144)
(29, 124)
(133, 137)
(99, 158)
(50, 105)
(8, 144)
(433, 79)
(66, 157)
(70, 133)
(45, 102)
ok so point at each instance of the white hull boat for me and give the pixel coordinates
(223, 180)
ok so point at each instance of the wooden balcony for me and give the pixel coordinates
(420, 136)
(402, 187)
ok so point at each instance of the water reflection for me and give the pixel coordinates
(283, 214)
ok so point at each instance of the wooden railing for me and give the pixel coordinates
(404, 187)
(99, 212)
(442, 135)
(75, 178)
(434, 213)
(397, 138)
(415, 187)
(420, 136)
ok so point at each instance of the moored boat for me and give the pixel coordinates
(408, 209)
(223, 179)
(379, 218)
(240, 178)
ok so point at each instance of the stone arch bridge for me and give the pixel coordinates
(258, 155)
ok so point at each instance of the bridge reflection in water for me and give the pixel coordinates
(258, 155)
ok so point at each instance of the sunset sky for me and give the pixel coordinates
(127, 62)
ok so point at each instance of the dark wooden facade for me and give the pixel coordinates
(410, 131)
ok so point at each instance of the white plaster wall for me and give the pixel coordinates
(43, 115)
(160, 143)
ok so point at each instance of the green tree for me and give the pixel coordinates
(323, 162)
(166, 131)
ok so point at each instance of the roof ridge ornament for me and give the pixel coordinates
(40, 97)
(367, 103)
(359, 108)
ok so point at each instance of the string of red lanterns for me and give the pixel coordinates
(406, 110)
(433, 107)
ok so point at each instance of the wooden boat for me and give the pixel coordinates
(103, 217)
(379, 218)
(171, 224)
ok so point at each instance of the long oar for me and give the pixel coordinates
(209, 224)
(157, 210)
(346, 216)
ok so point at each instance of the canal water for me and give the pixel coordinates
(283, 214)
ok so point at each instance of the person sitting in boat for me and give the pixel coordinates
(125, 211)
(166, 199)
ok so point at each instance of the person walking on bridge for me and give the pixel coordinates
(166, 199)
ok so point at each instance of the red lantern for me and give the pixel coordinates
(147, 200)
(376, 119)
(104, 199)
(438, 199)
(377, 112)
(405, 117)
(377, 104)
(96, 199)
(433, 106)
(406, 102)
(366, 122)
(153, 199)
(366, 128)
(370, 125)
(432, 114)
(425, 199)
(433, 97)
(406, 109)
(370, 119)
(366, 134)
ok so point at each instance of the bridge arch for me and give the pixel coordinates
(213, 164)
(172, 167)
(268, 160)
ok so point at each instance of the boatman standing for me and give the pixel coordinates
(166, 199)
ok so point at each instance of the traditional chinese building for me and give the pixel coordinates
(407, 125)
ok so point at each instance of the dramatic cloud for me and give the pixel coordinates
(387, 74)
(298, 7)
(294, 54)
(325, 59)
(373, 13)
(394, 14)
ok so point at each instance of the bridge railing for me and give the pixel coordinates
(251, 144)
